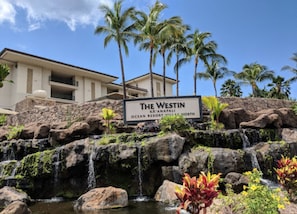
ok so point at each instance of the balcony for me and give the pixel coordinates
(63, 82)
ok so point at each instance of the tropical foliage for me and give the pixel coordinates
(173, 123)
(215, 107)
(4, 72)
(255, 198)
(170, 36)
(214, 72)
(196, 194)
(230, 89)
(252, 74)
(108, 114)
(118, 28)
(287, 175)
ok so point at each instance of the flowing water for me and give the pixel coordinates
(134, 207)
(91, 171)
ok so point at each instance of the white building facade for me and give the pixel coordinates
(66, 83)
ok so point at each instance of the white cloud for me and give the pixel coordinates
(71, 12)
(7, 12)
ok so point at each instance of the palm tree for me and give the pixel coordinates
(292, 69)
(202, 50)
(230, 89)
(149, 29)
(214, 72)
(4, 72)
(280, 88)
(165, 42)
(179, 47)
(118, 28)
(253, 73)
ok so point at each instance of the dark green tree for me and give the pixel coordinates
(280, 88)
(231, 89)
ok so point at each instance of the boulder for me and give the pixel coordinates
(95, 124)
(28, 131)
(166, 192)
(289, 135)
(77, 130)
(236, 181)
(10, 194)
(265, 120)
(42, 131)
(101, 198)
(167, 148)
(16, 207)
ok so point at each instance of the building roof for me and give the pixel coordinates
(13, 56)
(155, 75)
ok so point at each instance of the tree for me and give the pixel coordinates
(179, 47)
(253, 73)
(165, 42)
(280, 88)
(292, 69)
(214, 72)
(117, 28)
(230, 89)
(202, 50)
(4, 72)
(150, 30)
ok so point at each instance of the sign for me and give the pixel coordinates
(150, 109)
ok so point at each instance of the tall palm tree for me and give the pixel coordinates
(202, 50)
(178, 47)
(165, 41)
(280, 88)
(214, 72)
(253, 73)
(118, 28)
(150, 30)
(230, 89)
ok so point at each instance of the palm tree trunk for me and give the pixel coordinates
(195, 83)
(122, 70)
(164, 74)
(151, 71)
(215, 88)
(177, 75)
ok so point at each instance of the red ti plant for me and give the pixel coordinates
(287, 175)
(197, 194)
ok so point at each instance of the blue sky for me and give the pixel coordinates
(251, 31)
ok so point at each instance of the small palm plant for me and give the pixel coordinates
(108, 115)
(215, 107)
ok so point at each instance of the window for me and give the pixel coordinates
(92, 90)
(29, 80)
(158, 85)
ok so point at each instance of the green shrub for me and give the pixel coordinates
(2, 119)
(14, 132)
(173, 123)
(294, 107)
(256, 198)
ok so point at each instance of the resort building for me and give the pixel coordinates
(64, 83)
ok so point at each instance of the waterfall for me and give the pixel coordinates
(91, 170)
(245, 140)
(56, 163)
(16, 166)
(8, 153)
(140, 196)
(254, 160)
(139, 167)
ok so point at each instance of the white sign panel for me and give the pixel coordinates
(138, 110)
